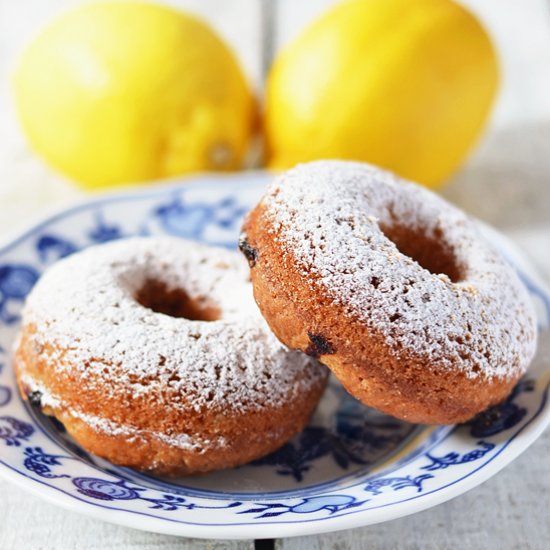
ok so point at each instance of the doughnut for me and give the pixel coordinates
(152, 353)
(391, 287)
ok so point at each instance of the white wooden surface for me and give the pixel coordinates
(507, 183)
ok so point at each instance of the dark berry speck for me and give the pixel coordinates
(319, 345)
(35, 398)
(251, 253)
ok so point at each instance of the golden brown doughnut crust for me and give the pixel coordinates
(385, 376)
(143, 451)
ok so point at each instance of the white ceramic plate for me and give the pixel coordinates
(350, 467)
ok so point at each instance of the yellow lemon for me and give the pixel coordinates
(405, 84)
(117, 92)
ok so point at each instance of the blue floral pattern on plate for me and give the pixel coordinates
(350, 466)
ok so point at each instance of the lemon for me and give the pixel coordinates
(405, 84)
(116, 92)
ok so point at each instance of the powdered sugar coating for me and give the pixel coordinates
(327, 217)
(85, 306)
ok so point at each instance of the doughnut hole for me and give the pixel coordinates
(175, 302)
(431, 252)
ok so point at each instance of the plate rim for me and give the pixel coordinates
(151, 523)
(132, 191)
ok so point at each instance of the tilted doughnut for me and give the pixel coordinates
(391, 287)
